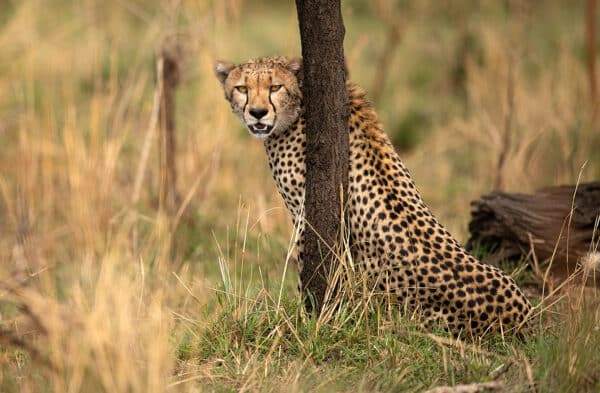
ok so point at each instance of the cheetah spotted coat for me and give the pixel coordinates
(394, 237)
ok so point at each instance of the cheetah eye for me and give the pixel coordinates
(242, 89)
(275, 88)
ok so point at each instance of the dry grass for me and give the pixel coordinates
(100, 294)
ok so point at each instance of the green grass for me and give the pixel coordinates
(381, 351)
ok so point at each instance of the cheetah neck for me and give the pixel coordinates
(286, 155)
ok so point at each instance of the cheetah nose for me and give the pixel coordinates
(258, 113)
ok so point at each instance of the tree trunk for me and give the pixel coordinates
(326, 104)
(168, 197)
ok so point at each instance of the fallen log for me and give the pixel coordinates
(556, 224)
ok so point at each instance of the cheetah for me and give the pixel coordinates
(394, 237)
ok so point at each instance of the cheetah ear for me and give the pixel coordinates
(222, 70)
(294, 64)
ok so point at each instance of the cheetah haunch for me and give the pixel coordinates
(394, 238)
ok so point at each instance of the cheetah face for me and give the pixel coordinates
(264, 93)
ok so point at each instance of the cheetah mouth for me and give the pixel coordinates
(260, 129)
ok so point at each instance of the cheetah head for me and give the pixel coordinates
(265, 93)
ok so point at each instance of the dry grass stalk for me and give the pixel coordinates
(395, 25)
(392, 40)
(508, 120)
(149, 136)
(590, 24)
(494, 386)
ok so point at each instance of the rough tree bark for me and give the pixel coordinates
(326, 102)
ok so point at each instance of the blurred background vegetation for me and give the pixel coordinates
(456, 83)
